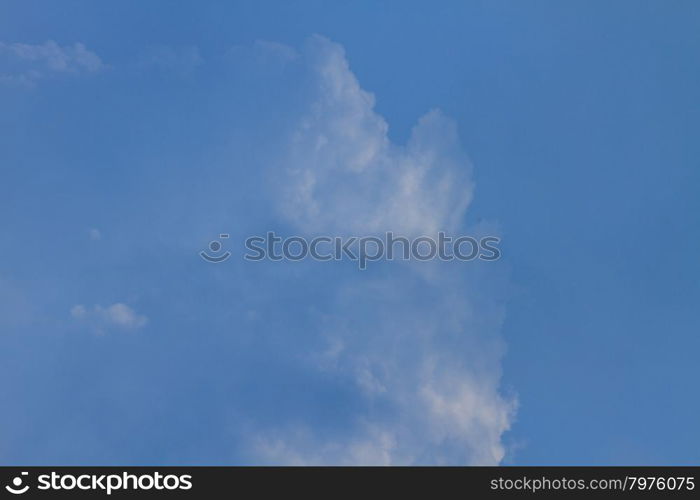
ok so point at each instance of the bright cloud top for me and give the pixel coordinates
(344, 174)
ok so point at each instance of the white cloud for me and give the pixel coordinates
(116, 316)
(424, 346)
(25, 64)
(343, 174)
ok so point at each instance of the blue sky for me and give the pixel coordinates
(569, 129)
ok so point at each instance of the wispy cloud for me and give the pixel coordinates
(95, 234)
(26, 64)
(116, 316)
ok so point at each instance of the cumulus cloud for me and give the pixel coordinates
(422, 346)
(25, 64)
(116, 316)
(343, 174)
